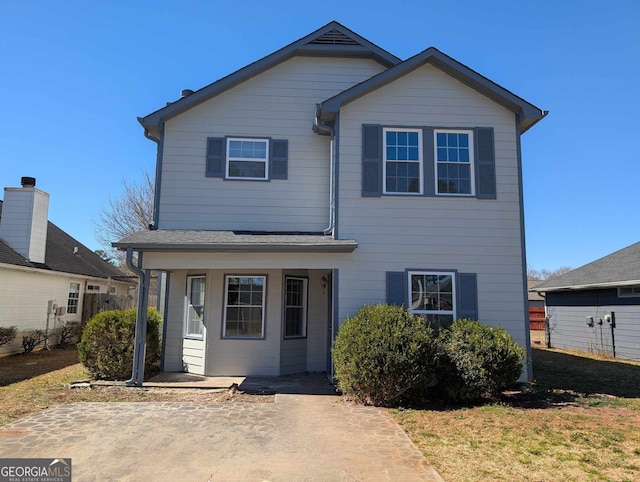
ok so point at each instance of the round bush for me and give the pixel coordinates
(384, 355)
(476, 360)
(106, 348)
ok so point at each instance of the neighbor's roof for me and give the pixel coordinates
(225, 241)
(528, 113)
(621, 268)
(534, 295)
(59, 256)
(333, 39)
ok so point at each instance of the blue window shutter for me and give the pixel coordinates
(429, 162)
(397, 288)
(215, 156)
(485, 163)
(467, 284)
(279, 159)
(371, 160)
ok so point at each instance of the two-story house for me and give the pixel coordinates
(323, 177)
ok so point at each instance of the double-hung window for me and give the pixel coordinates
(244, 306)
(402, 161)
(432, 295)
(74, 298)
(295, 307)
(247, 158)
(454, 162)
(194, 317)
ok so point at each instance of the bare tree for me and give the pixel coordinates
(130, 213)
(545, 274)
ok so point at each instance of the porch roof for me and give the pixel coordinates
(234, 241)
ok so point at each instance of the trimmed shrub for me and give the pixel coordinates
(70, 334)
(7, 334)
(31, 339)
(384, 355)
(476, 361)
(106, 348)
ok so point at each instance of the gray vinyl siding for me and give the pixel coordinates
(569, 329)
(399, 232)
(278, 104)
(175, 322)
(293, 356)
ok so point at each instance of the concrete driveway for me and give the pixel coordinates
(299, 437)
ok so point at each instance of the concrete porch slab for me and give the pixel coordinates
(189, 380)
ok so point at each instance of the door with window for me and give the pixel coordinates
(193, 343)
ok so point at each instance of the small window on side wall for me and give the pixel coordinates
(295, 307)
(194, 316)
(74, 298)
(629, 292)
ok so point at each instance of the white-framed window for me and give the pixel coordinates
(454, 162)
(74, 298)
(402, 150)
(295, 307)
(93, 287)
(247, 158)
(433, 295)
(112, 290)
(629, 292)
(244, 304)
(194, 315)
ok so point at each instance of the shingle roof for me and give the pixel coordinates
(332, 39)
(221, 241)
(621, 268)
(59, 256)
(529, 113)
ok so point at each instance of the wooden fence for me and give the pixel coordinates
(94, 303)
(536, 318)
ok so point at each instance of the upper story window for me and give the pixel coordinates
(454, 162)
(247, 158)
(402, 161)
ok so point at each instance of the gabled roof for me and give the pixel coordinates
(225, 241)
(59, 256)
(333, 40)
(621, 268)
(529, 113)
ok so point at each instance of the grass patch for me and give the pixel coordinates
(578, 421)
(30, 383)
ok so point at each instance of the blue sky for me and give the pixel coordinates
(75, 75)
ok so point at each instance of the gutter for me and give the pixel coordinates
(140, 343)
(320, 127)
(615, 284)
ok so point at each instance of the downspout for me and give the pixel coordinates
(140, 343)
(326, 128)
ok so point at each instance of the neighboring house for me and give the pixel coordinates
(44, 272)
(323, 177)
(596, 308)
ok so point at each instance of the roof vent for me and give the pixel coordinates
(28, 181)
(333, 37)
(185, 93)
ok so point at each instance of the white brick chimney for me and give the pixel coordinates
(23, 225)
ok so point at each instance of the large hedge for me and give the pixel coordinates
(106, 348)
(476, 361)
(384, 355)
